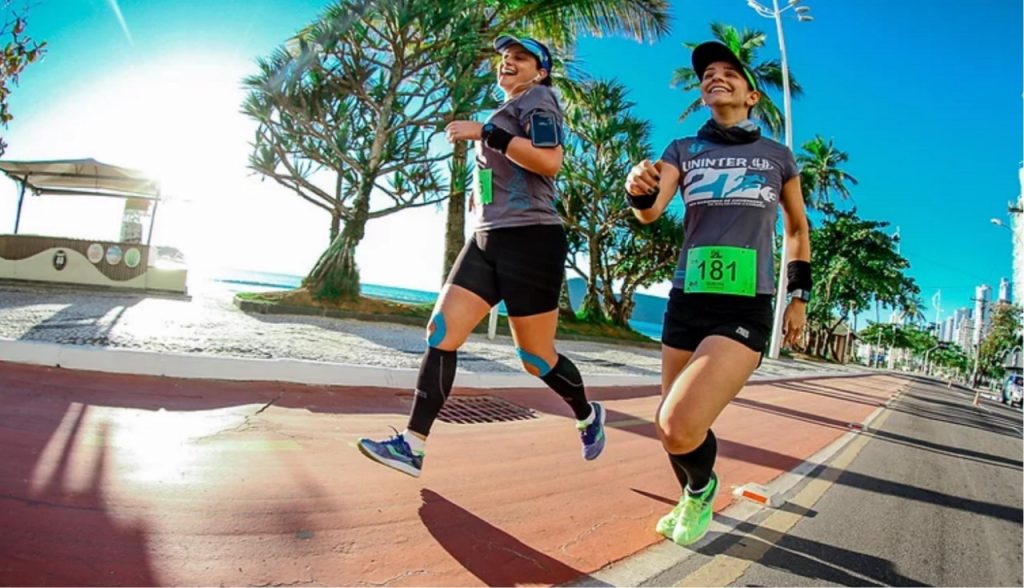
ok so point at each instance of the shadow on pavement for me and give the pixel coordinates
(58, 526)
(809, 559)
(82, 322)
(487, 552)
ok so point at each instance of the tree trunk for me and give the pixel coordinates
(455, 226)
(335, 224)
(620, 312)
(336, 275)
(336, 212)
(591, 306)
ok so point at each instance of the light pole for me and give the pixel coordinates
(999, 223)
(802, 16)
(927, 365)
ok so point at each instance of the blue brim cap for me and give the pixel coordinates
(535, 47)
(707, 53)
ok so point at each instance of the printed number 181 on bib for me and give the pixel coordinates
(721, 270)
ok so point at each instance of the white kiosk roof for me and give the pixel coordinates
(81, 177)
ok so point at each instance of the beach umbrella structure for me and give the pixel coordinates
(121, 263)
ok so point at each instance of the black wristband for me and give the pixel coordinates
(798, 274)
(641, 202)
(498, 139)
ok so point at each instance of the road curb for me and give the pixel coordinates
(300, 371)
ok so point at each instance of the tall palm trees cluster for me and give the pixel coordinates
(361, 94)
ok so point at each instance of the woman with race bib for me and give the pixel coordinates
(719, 315)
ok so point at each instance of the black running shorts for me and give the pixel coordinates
(523, 266)
(690, 318)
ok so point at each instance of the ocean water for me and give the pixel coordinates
(648, 311)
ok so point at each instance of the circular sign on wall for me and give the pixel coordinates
(60, 259)
(132, 257)
(113, 255)
(95, 253)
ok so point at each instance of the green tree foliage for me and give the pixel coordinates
(603, 141)
(821, 174)
(1004, 334)
(853, 263)
(19, 50)
(358, 97)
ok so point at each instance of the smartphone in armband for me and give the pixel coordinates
(544, 129)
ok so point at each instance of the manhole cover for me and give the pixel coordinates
(482, 409)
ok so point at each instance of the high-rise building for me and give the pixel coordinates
(964, 328)
(1004, 290)
(982, 294)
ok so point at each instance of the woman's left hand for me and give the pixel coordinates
(463, 130)
(793, 321)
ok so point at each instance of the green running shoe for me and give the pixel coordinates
(667, 523)
(695, 514)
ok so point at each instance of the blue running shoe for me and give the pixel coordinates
(592, 435)
(395, 453)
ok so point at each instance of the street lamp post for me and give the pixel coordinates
(1017, 234)
(927, 365)
(776, 13)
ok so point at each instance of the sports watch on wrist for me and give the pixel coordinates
(800, 294)
(486, 131)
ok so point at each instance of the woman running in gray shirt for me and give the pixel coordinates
(719, 315)
(516, 254)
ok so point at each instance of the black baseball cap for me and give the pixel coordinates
(707, 53)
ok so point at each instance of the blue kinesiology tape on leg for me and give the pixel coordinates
(440, 330)
(542, 366)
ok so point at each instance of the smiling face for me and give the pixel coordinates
(724, 86)
(518, 69)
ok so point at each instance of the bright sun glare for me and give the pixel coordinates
(178, 119)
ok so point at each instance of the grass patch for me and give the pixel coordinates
(364, 305)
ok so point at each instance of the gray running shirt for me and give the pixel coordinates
(519, 196)
(731, 194)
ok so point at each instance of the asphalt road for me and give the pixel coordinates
(931, 496)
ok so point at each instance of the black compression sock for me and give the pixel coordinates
(434, 384)
(566, 380)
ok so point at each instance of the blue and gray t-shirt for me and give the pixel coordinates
(519, 196)
(731, 193)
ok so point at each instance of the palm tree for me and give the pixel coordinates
(361, 96)
(820, 174)
(558, 22)
(768, 74)
(603, 138)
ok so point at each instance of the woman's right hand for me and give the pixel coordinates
(463, 130)
(644, 178)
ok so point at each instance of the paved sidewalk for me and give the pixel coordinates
(209, 324)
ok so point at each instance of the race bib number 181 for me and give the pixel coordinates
(721, 270)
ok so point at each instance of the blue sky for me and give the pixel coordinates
(925, 97)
